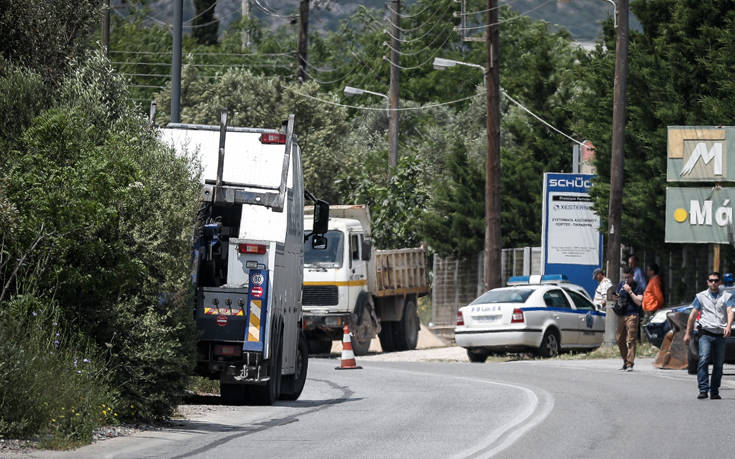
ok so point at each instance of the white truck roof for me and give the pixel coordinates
(358, 212)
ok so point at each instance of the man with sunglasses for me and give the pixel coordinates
(716, 316)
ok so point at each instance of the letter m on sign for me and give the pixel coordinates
(700, 151)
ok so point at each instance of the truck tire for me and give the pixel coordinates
(362, 331)
(319, 346)
(232, 394)
(406, 334)
(386, 336)
(269, 392)
(292, 385)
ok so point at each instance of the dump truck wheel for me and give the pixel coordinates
(319, 346)
(292, 385)
(406, 333)
(386, 336)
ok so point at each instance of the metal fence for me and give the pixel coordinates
(458, 281)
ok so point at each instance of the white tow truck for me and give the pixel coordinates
(247, 265)
(350, 283)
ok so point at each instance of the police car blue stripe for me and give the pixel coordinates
(573, 311)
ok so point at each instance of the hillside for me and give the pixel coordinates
(581, 17)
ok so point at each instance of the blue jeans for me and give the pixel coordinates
(710, 347)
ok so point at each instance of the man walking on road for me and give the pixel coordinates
(716, 308)
(628, 318)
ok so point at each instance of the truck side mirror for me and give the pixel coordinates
(318, 242)
(321, 217)
(367, 247)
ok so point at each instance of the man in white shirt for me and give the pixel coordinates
(603, 286)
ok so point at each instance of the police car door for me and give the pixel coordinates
(563, 315)
(591, 322)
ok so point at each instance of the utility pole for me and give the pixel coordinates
(106, 27)
(493, 238)
(395, 58)
(245, 4)
(303, 38)
(176, 62)
(616, 158)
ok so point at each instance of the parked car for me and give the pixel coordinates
(660, 324)
(544, 314)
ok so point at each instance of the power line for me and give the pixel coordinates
(509, 2)
(271, 12)
(202, 13)
(385, 58)
(443, 15)
(523, 107)
(503, 21)
(405, 16)
(361, 107)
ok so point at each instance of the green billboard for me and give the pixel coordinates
(700, 154)
(699, 215)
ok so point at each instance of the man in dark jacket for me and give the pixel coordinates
(628, 318)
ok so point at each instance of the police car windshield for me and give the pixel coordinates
(331, 257)
(504, 295)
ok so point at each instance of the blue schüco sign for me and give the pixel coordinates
(575, 183)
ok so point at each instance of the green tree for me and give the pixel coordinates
(205, 26)
(455, 222)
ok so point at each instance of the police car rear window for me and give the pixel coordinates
(506, 295)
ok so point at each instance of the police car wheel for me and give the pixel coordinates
(477, 355)
(550, 346)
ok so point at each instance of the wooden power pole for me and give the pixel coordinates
(493, 237)
(617, 157)
(393, 95)
(245, 12)
(106, 27)
(303, 38)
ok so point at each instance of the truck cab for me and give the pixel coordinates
(374, 292)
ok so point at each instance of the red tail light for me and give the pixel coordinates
(517, 316)
(252, 249)
(270, 138)
(460, 318)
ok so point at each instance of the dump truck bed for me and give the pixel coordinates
(400, 272)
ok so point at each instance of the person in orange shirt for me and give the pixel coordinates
(653, 297)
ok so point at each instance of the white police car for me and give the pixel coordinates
(539, 313)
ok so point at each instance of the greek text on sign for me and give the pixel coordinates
(699, 215)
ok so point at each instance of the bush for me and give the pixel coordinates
(52, 379)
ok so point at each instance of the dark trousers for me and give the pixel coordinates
(710, 347)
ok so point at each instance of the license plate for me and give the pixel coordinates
(488, 318)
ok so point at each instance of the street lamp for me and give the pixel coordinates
(349, 91)
(442, 64)
(493, 240)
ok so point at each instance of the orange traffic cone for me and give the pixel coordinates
(348, 356)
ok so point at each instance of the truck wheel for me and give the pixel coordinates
(292, 385)
(268, 393)
(406, 334)
(362, 333)
(319, 346)
(386, 336)
(232, 394)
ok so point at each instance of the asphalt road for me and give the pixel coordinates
(550, 408)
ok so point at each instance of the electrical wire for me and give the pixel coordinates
(403, 53)
(431, 58)
(271, 12)
(202, 13)
(442, 14)
(215, 21)
(503, 21)
(500, 5)
(523, 107)
(362, 107)
(405, 16)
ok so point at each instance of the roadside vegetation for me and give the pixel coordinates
(96, 214)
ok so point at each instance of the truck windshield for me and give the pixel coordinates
(331, 257)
